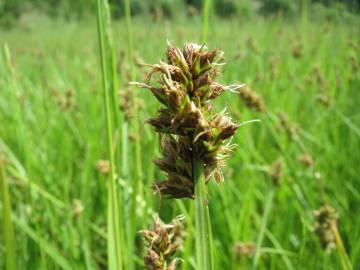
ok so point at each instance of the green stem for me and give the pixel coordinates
(138, 187)
(204, 259)
(137, 182)
(205, 20)
(114, 234)
(8, 225)
(264, 221)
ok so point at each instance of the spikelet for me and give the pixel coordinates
(306, 160)
(251, 99)
(275, 172)
(325, 217)
(103, 166)
(189, 128)
(291, 129)
(161, 243)
(246, 249)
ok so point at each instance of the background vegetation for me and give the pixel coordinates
(52, 130)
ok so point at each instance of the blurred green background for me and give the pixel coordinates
(12, 10)
(300, 57)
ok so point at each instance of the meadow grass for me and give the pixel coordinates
(53, 132)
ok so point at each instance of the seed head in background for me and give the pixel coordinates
(325, 217)
(189, 128)
(162, 242)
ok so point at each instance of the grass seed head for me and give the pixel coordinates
(275, 172)
(251, 99)
(161, 243)
(306, 160)
(185, 86)
(244, 249)
(326, 217)
(103, 166)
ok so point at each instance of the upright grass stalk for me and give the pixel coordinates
(138, 186)
(137, 181)
(8, 229)
(204, 258)
(205, 20)
(114, 234)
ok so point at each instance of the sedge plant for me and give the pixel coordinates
(195, 139)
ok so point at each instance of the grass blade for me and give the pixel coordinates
(264, 220)
(114, 234)
(8, 228)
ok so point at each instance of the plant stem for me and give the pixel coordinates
(264, 221)
(204, 259)
(8, 229)
(114, 234)
(205, 20)
(138, 185)
(137, 181)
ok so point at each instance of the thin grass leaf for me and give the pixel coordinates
(8, 230)
(115, 256)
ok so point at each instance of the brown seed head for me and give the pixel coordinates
(306, 160)
(161, 243)
(244, 249)
(325, 218)
(103, 166)
(251, 99)
(185, 87)
(275, 172)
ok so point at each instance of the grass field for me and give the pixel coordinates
(52, 135)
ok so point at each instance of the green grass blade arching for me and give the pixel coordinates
(114, 233)
(204, 258)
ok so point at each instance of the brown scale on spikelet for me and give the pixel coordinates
(251, 99)
(161, 243)
(326, 217)
(244, 249)
(190, 130)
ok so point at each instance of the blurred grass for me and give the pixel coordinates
(52, 142)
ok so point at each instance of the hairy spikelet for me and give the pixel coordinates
(161, 243)
(189, 128)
